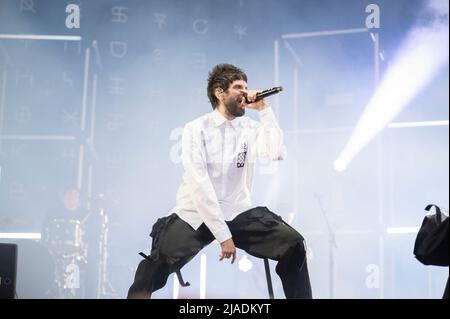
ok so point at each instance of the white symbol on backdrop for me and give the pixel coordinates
(241, 31)
(118, 49)
(27, 5)
(160, 20)
(119, 14)
(200, 26)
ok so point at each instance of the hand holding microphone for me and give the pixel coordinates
(263, 94)
(257, 96)
(254, 99)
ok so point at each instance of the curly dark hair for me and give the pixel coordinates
(221, 76)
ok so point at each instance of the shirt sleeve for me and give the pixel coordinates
(203, 194)
(269, 139)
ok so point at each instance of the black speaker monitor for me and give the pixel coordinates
(8, 270)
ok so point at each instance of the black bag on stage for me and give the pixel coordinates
(432, 242)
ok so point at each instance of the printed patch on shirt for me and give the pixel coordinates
(242, 155)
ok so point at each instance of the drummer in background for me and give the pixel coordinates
(73, 208)
(69, 209)
(62, 233)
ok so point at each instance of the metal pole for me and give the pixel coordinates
(379, 170)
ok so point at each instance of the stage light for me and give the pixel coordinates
(418, 124)
(39, 37)
(20, 235)
(175, 287)
(423, 54)
(340, 164)
(245, 264)
(402, 230)
(203, 276)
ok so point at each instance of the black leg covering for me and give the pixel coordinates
(293, 271)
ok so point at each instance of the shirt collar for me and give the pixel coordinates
(219, 119)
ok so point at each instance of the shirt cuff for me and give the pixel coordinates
(222, 235)
(267, 116)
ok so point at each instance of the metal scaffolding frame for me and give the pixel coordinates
(296, 132)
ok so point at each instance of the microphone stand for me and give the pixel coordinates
(332, 245)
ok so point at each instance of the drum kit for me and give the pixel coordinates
(70, 260)
(65, 242)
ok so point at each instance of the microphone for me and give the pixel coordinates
(263, 94)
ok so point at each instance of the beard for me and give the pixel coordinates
(235, 107)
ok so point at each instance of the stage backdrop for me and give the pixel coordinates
(102, 109)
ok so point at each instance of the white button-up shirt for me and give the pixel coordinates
(219, 158)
